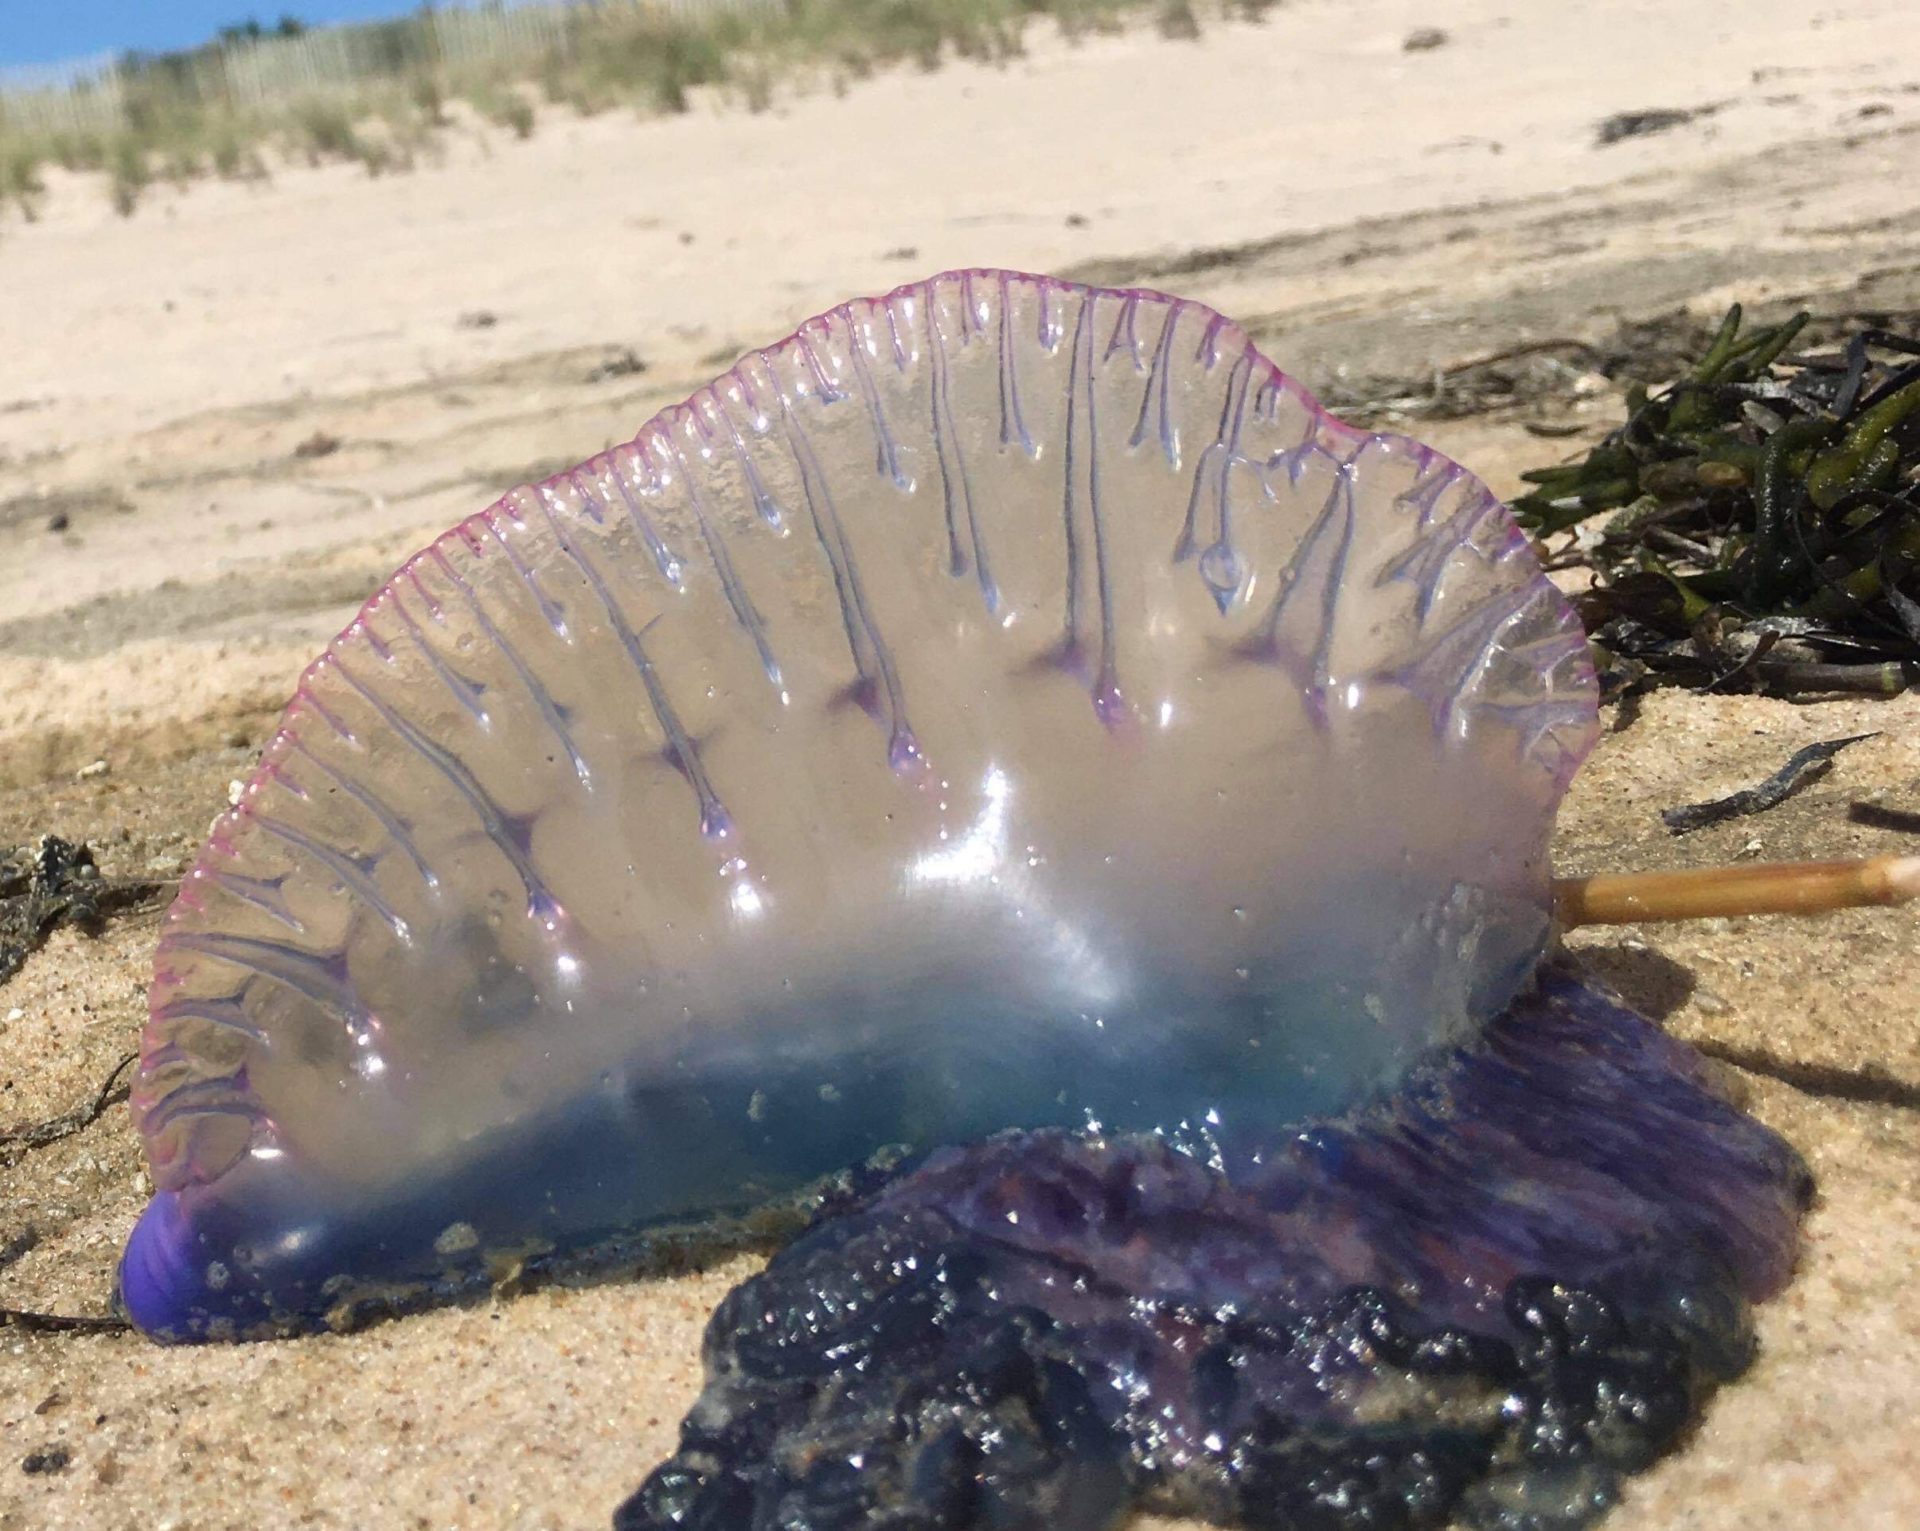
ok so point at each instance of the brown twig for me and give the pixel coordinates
(61, 1323)
(1791, 677)
(67, 1123)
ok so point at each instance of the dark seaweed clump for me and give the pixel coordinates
(1756, 525)
(55, 883)
(1486, 1299)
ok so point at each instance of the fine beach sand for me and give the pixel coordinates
(169, 559)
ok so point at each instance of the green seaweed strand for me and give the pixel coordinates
(1866, 455)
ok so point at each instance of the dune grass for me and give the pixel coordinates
(194, 114)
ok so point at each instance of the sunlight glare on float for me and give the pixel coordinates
(979, 852)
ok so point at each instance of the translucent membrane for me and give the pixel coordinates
(1001, 704)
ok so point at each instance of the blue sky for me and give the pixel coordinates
(46, 31)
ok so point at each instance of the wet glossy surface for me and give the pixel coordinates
(1481, 1301)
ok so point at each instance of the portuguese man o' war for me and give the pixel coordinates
(1007, 731)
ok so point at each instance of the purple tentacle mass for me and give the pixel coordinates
(1484, 1297)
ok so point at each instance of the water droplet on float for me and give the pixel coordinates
(1220, 569)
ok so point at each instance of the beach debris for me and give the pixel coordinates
(1566, 374)
(31, 1321)
(625, 362)
(1425, 40)
(1803, 766)
(1642, 124)
(956, 672)
(76, 1119)
(61, 508)
(56, 883)
(321, 443)
(1755, 525)
(1560, 367)
(49, 1459)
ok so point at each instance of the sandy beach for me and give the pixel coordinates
(224, 420)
